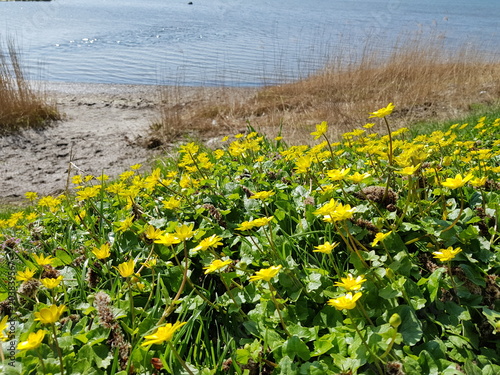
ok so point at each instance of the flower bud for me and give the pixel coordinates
(395, 320)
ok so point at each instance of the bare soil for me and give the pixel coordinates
(104, 130)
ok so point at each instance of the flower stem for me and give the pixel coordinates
(178, 357)
(59, 353)
(272, 290)
(363, 340)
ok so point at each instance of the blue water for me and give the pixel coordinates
(225, 42)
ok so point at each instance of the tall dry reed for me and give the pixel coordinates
(21, 106)
(425, 80)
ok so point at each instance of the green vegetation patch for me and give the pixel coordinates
(377, 254)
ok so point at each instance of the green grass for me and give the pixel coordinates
(224, 241)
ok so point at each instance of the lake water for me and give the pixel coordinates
(224, 42)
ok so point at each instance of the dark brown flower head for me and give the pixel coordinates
(78, 262)
(491, 185)
(102, 303)
(50, 272)
(394, 368)
(378, 194)
(6, 308)
(367, 225)
(309, 201)
(247, 191)
(215, 214)
(29, 288)
(92, 275)
(72, 318)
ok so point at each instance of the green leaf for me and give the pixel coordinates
(280, 214)
(471, 369)
(410, 327)
(428, 364)
(433, 283)
(294, 346)
(242, 356)
(63, 257)
(473, 274)
(322, 345)
(389, 292)
(470, 233)
(287, 367)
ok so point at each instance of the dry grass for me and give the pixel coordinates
(21, 106)
(421, 78)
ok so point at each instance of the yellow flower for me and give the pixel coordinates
(33, 342)
(167, 239)
(338, 174)
(3, 326)
(102, 252)
(126, 175)
(325, 248)
(478, 181)
(218, 153)
(163, 334)
(51, 283)
(303, 164)
(50, 315)
(217, 264)
(25, 275)
(88, 192)
(457, 182)
(339, 213)
(369, 125)
(358, 177)
(380, 237)
(151, 262)
(126, 269)
(246, 225)
(189, 148)
(31, 195)
(351, 283)
(382, 112)
(345, 302)
(263, 195)
(125, 224)
(445, 255)
(152, 233)
(320, 130)
(185, 232)
(77, 179)
(172, 203)
(212, 241)
(42, 260)
(266, 274)
(102, 178)
(260, 222)
(408, 171)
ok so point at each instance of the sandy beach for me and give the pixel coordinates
(104, 130)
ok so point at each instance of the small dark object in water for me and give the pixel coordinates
(190, 3)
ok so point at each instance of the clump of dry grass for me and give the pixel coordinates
(424, 80)
(21, 106)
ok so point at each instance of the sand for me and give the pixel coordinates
(104, 130)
